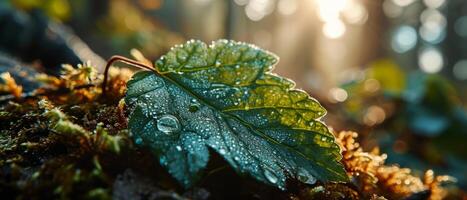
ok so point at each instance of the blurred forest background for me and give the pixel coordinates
(393, 70)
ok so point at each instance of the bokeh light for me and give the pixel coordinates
(355, 13)
(337, 95)
(374, 115)
(329, 10)
(287, 7)
(430, 60)
(334, 29)
(433, 26)
(257, 9)
(391, 9)
(371, 85)
(460, 70)
(405, 39)
(403, 2)
(434, 3)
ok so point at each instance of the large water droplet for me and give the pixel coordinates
(138, 141)
(194, 105)
(168, 124)
(163, 161)
(222, 151)
(270, 176)
(305, 177)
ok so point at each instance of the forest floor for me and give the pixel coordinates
(66, 140)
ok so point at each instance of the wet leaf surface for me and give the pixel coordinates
(224, 97)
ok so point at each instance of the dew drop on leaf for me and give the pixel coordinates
(194, 105)
(305, 177)
(138, 141)
(225, 97)
(222, 151)
(168, 124)
(270, 176)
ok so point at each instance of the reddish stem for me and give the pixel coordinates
(122, 59)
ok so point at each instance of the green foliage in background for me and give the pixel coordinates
(423, 112)
(57, 9)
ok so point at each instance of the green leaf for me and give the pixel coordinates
(224, 97)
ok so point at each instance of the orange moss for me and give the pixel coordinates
(82, 84)
(374, 178)
(10, 85)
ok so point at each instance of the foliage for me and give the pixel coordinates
(224, 97)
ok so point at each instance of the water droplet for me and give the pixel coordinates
(218, 85)
(270, 176)
(168, 124)
(305, 177)
(194, 105)
(138, 141)
(222, 151)
(179, 148)
(182, 57)
(163, 161)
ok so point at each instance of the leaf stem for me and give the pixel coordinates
(125, 60)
